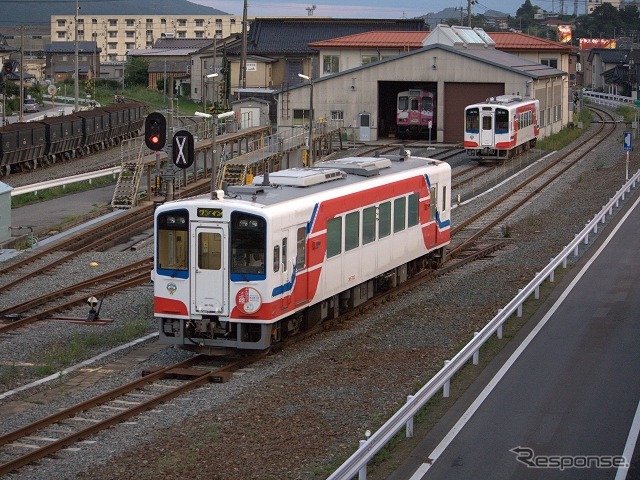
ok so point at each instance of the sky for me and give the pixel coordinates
(372, 8)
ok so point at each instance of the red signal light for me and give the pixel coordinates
(154, 139)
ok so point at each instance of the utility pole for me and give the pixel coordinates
(243, 55)
(21, 73)
(76, 92)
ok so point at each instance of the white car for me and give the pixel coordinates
(30, 105)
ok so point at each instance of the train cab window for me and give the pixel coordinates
(472, 120)
(173, 244)
(384, 219)
(502, 120)
(403, 102)
(412, 211)
(301, 253)
(209, 251)
(248, 233)
(368, 225)
(334, 237)
(352, 231)
(399, 214)
(427, 104)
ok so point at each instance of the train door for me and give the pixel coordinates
(210, 287)
(365, 126)
(486, 129)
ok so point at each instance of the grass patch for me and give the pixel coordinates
(57, 192)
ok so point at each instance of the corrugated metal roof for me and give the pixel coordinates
(395, 39)
(70, 47)
(269, 36)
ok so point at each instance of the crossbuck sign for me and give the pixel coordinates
(183, 149)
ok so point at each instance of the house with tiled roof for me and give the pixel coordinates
(60, 60)
(599, 61)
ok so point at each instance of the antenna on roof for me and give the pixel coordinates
(310, 10)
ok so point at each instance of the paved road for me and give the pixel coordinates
(573, 391)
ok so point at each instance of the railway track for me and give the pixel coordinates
(71, 425)
(476, 226)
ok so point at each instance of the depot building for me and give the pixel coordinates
(459, 65)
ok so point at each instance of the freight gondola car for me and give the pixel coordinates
(28, 145)
(501, 127)
(254, 264)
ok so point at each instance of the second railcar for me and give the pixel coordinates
(501, 127)
(415, 113)
(260, 262)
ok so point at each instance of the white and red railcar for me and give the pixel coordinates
(262, 261)
(501, 127)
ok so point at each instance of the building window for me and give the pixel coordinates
(199, 22)
(199, 34)
(337, 115)
(218, 22)
(113, 22)
(62, 35)
(64, 58)
(130, 22)
(233, 21)
(112, 57)
(129, 45)
(130, 34)
(330, 64)
(62, 23)
(300, 117)
(367, 59)
(163, 21)
(182, 34)
(182, 22)
(112, 45)
(81, 21)
(80, 34)
(94, 21)
(149, 32)
(550, 62)
(113, 34)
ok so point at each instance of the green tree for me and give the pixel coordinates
(137, 72)
(525, 16)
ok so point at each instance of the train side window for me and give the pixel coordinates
(247, 238)
(412, 212)
(444, 199)
(284, 254)
(399, 214)
(368, 225)
(276, 258)
(384, 220)
(301, 253)
(209, 251)
(434, 201)
(352, 231)
(334, 237)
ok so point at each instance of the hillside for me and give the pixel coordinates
(17, 12)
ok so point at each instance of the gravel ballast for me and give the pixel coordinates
(299, 413)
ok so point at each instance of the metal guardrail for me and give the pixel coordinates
(608, 99)
(62, 182)
(357, 463)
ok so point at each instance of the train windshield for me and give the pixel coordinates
(403, 102)
(473, 120)
(248, 234)
(502, 120)
(173, 244)
(427, 104)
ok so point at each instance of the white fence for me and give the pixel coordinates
(357, 463)
(608, 99)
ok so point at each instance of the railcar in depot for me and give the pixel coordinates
(246, 267)
(415, 113)
(28, 145)
(501, 127)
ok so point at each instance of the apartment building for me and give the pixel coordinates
(117, 34)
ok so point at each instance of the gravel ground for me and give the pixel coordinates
(299, 413)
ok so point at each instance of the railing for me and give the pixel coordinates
(608, 99)
(357, 463)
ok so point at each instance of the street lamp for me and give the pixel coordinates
(214, 122)
(206, 88)
(311, 150)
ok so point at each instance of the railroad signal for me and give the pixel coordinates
(155, 131)
(182, 151)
